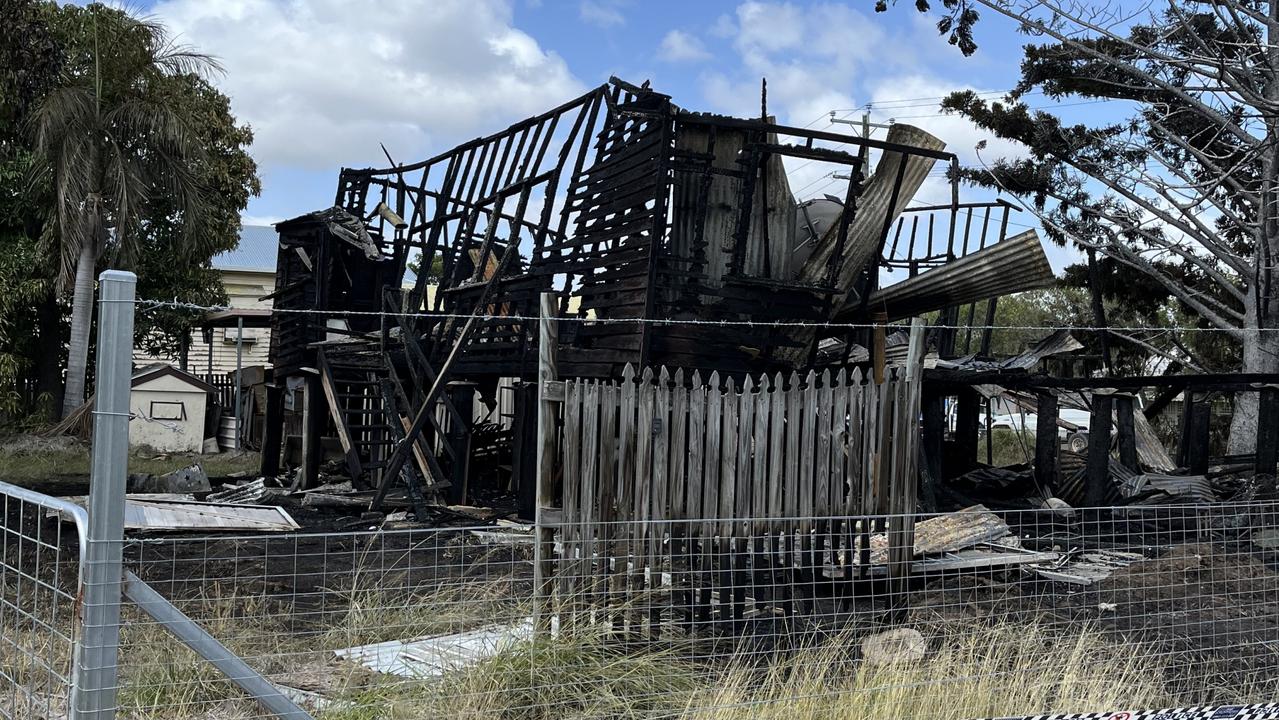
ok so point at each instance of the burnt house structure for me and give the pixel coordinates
(628, 208)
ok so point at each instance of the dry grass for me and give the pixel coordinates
(970, 672)
(374, 615)
(161, 679)
(971, 669)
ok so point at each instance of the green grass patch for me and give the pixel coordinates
(47, 464)
(1008, 447)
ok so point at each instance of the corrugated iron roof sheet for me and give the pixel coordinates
(257, 250)
(1013, 265)
(153, 513)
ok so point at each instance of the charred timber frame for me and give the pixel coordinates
(630, 177)
(1113, 398)
(615, 216)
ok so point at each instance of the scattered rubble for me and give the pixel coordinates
(190, 479)
(159, 512)
(435, 655)
(899, 645)
(247, 493)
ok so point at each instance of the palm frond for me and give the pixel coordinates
(176, 58)
(126, 186)
(113, 161)
(64, 110)
(146, 115)
(63, 126)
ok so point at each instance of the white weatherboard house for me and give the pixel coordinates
(248, 275)
(168, 409)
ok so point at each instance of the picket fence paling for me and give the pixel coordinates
(653, 448)
(766, 474)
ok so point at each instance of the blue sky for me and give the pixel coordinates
(323, 82)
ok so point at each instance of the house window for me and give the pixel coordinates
(248, 335)
(161, 410)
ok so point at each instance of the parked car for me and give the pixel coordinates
(1075, 440)
(1008, 415)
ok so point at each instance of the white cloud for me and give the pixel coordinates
(323, 82)
(810, 55)
(604, 13)
(823, 57)
(679, 46)
(724, 27)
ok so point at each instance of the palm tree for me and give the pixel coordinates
(112, 135)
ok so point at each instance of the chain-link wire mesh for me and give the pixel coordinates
(999, 613)
(39, 593)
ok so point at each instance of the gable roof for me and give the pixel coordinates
(161, 369)
(259, 245)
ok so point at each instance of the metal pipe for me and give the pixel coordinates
(95, 676)
(208, 647)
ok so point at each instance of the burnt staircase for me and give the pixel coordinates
(370, 409)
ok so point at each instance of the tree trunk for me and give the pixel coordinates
(1261, 317)
(1260, 355)
(81, 317)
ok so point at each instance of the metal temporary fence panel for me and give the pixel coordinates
(41, 578)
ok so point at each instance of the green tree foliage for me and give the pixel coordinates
(146, 168)
(437, 267)
(31, 58)
(229, 174)
(1178, 187)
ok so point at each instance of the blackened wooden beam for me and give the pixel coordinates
(988, 327)
(1200, 431)
(1187, 425)
(655, 238)
(462, 395)
(771, 128)
(1097, 483)
(934, 433)
(1162, 400)
(524, 450)
(1126, 432)
(808, 153)
(314, 411)
(1268, 431)
(273, 432)
(967, 423)
(1019, 380)
(1046, 441)
(1099, 309)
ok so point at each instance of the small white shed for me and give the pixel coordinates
(168, 408)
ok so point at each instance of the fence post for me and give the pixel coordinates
(1267, 431)
(1098, 483)
(239, 366)
(94, 676)
(1046, 440)
(1126, 431)
(543, 566)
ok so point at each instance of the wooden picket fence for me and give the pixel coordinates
(682, 487)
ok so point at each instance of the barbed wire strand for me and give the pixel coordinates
(148, 304)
